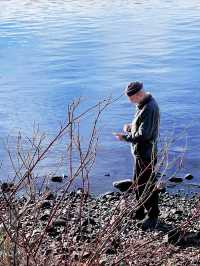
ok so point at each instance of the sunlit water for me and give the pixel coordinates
(54, 51)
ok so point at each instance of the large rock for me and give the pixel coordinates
(58, 179)
(175, 179)
(189, 176)
(123, 185)
(107, 195)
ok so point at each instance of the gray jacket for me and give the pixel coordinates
(145, 129)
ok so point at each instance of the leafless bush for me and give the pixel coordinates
(16, 244)
(21, 244)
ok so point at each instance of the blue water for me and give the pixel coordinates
(54, 51)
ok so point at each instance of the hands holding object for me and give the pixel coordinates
(120, 136)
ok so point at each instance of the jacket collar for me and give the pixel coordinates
(146, 100)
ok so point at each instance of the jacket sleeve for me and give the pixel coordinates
(144, 131)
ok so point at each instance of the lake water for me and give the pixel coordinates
(54, 51)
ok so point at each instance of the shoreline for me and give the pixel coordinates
(72, 235)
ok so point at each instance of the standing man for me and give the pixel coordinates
(142, 133)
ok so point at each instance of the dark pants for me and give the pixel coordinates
(145, 187)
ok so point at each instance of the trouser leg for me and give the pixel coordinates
(145, 180)
(140, 211)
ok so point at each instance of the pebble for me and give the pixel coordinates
(58, 179)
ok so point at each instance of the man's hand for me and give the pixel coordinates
(127, 128)
(119, 136)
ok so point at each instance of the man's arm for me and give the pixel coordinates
(144, 131)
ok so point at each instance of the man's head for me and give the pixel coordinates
(135, 92)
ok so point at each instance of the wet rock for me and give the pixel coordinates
(160, 174)
(107, 174)
(58, 179)
(7, 187)
(175, 179)
(189, 177)
(107, 195)
(171, 185)
(123, 185)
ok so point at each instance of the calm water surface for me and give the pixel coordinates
(54, 51)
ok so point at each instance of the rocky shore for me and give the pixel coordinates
(82, 221)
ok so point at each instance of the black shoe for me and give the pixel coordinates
(148, 223)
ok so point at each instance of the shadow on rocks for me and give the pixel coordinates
(178, 237)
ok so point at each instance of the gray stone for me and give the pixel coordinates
(107, 194)
(123, 185)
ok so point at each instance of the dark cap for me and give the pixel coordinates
(133, 88)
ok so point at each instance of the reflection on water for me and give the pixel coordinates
(54, 51)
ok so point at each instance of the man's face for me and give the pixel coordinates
(133, 98)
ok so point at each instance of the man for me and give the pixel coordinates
(143, 134)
